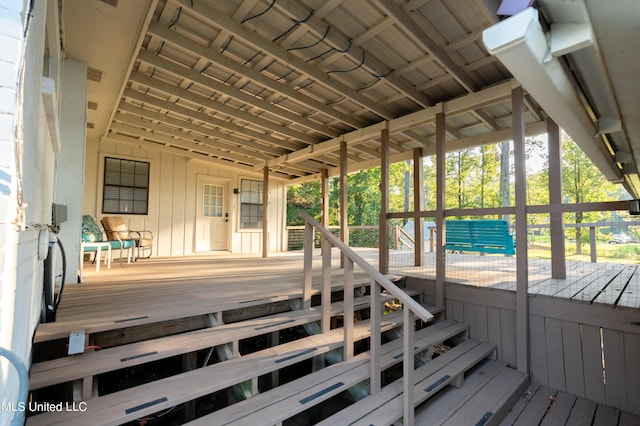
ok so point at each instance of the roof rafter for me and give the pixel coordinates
(215, 122)
(194, 98)
(188, 74)
(337, 39)
(182, 42)
(217, 18)
(403, 19)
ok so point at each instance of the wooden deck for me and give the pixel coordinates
(164, 289)
(158, 289)
(541, 405)
(596, 283)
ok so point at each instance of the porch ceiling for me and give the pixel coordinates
(249, 83)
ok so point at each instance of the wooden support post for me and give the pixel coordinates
(344, 216)
(407, 367)
(348, 309)
(326, 286)
(556, 221)
(308, 266)
(265, 210)
(189, 362)
(375, 343)
(440, 206)
(273, 339)
(324, 183)
(592, 244)
(418, 205)
(522, 271)
(383, 237)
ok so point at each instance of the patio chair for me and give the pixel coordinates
(116, 229)
(93, 242)
(94, 235)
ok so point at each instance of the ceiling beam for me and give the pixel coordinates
(531, 129)
(212, 121)
(196, 99)
(144, 144)
(185, 43)
(467, 103)
(208, 132)
(219, 19)
(154, 132)
(421, 37)
(335, 38)
(209, 83)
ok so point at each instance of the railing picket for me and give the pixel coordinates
(375, 342)
(308, 264)
(410, 307)
(407, 366)
(348, 309)
(326, 285)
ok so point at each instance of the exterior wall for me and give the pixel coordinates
(172, 199)
(586, 350)
(27, 165)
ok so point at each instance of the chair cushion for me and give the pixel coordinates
(91, 232)
(115, 244)
(143, 242)
(115, 228)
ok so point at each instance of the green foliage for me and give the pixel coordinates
(473, 179)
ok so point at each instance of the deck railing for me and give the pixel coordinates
(411, 308)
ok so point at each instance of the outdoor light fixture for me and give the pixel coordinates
(634, 207)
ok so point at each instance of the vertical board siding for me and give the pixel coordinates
(615, 382)
(573, 365)
(593, 369)
(172, 200)
(178, 205)
(494, 334)
(586, 350)
(632, 370)
(538, 352)
(165, 210)
(555, 353)
(508, 321)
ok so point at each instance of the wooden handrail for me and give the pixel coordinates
(396, 291)
(411, 308)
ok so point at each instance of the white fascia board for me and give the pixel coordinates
(521, 46)
(569, 37)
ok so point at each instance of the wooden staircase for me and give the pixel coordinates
(455, 370)
(452, 379)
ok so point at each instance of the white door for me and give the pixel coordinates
(212, 217)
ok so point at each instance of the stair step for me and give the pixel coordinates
(146, 399)
(182, 307)
(292, 398)
(90, 364)
(386, 407)
(491, 402)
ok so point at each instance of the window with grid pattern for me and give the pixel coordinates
(250, 204)
(212, 200)
(126, 186)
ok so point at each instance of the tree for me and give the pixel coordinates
(582, 182)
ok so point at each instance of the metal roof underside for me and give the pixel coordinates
(249, 83)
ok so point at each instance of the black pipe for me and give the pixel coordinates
(51, 300)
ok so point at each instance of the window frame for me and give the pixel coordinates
(255, 225)
(134, 187)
